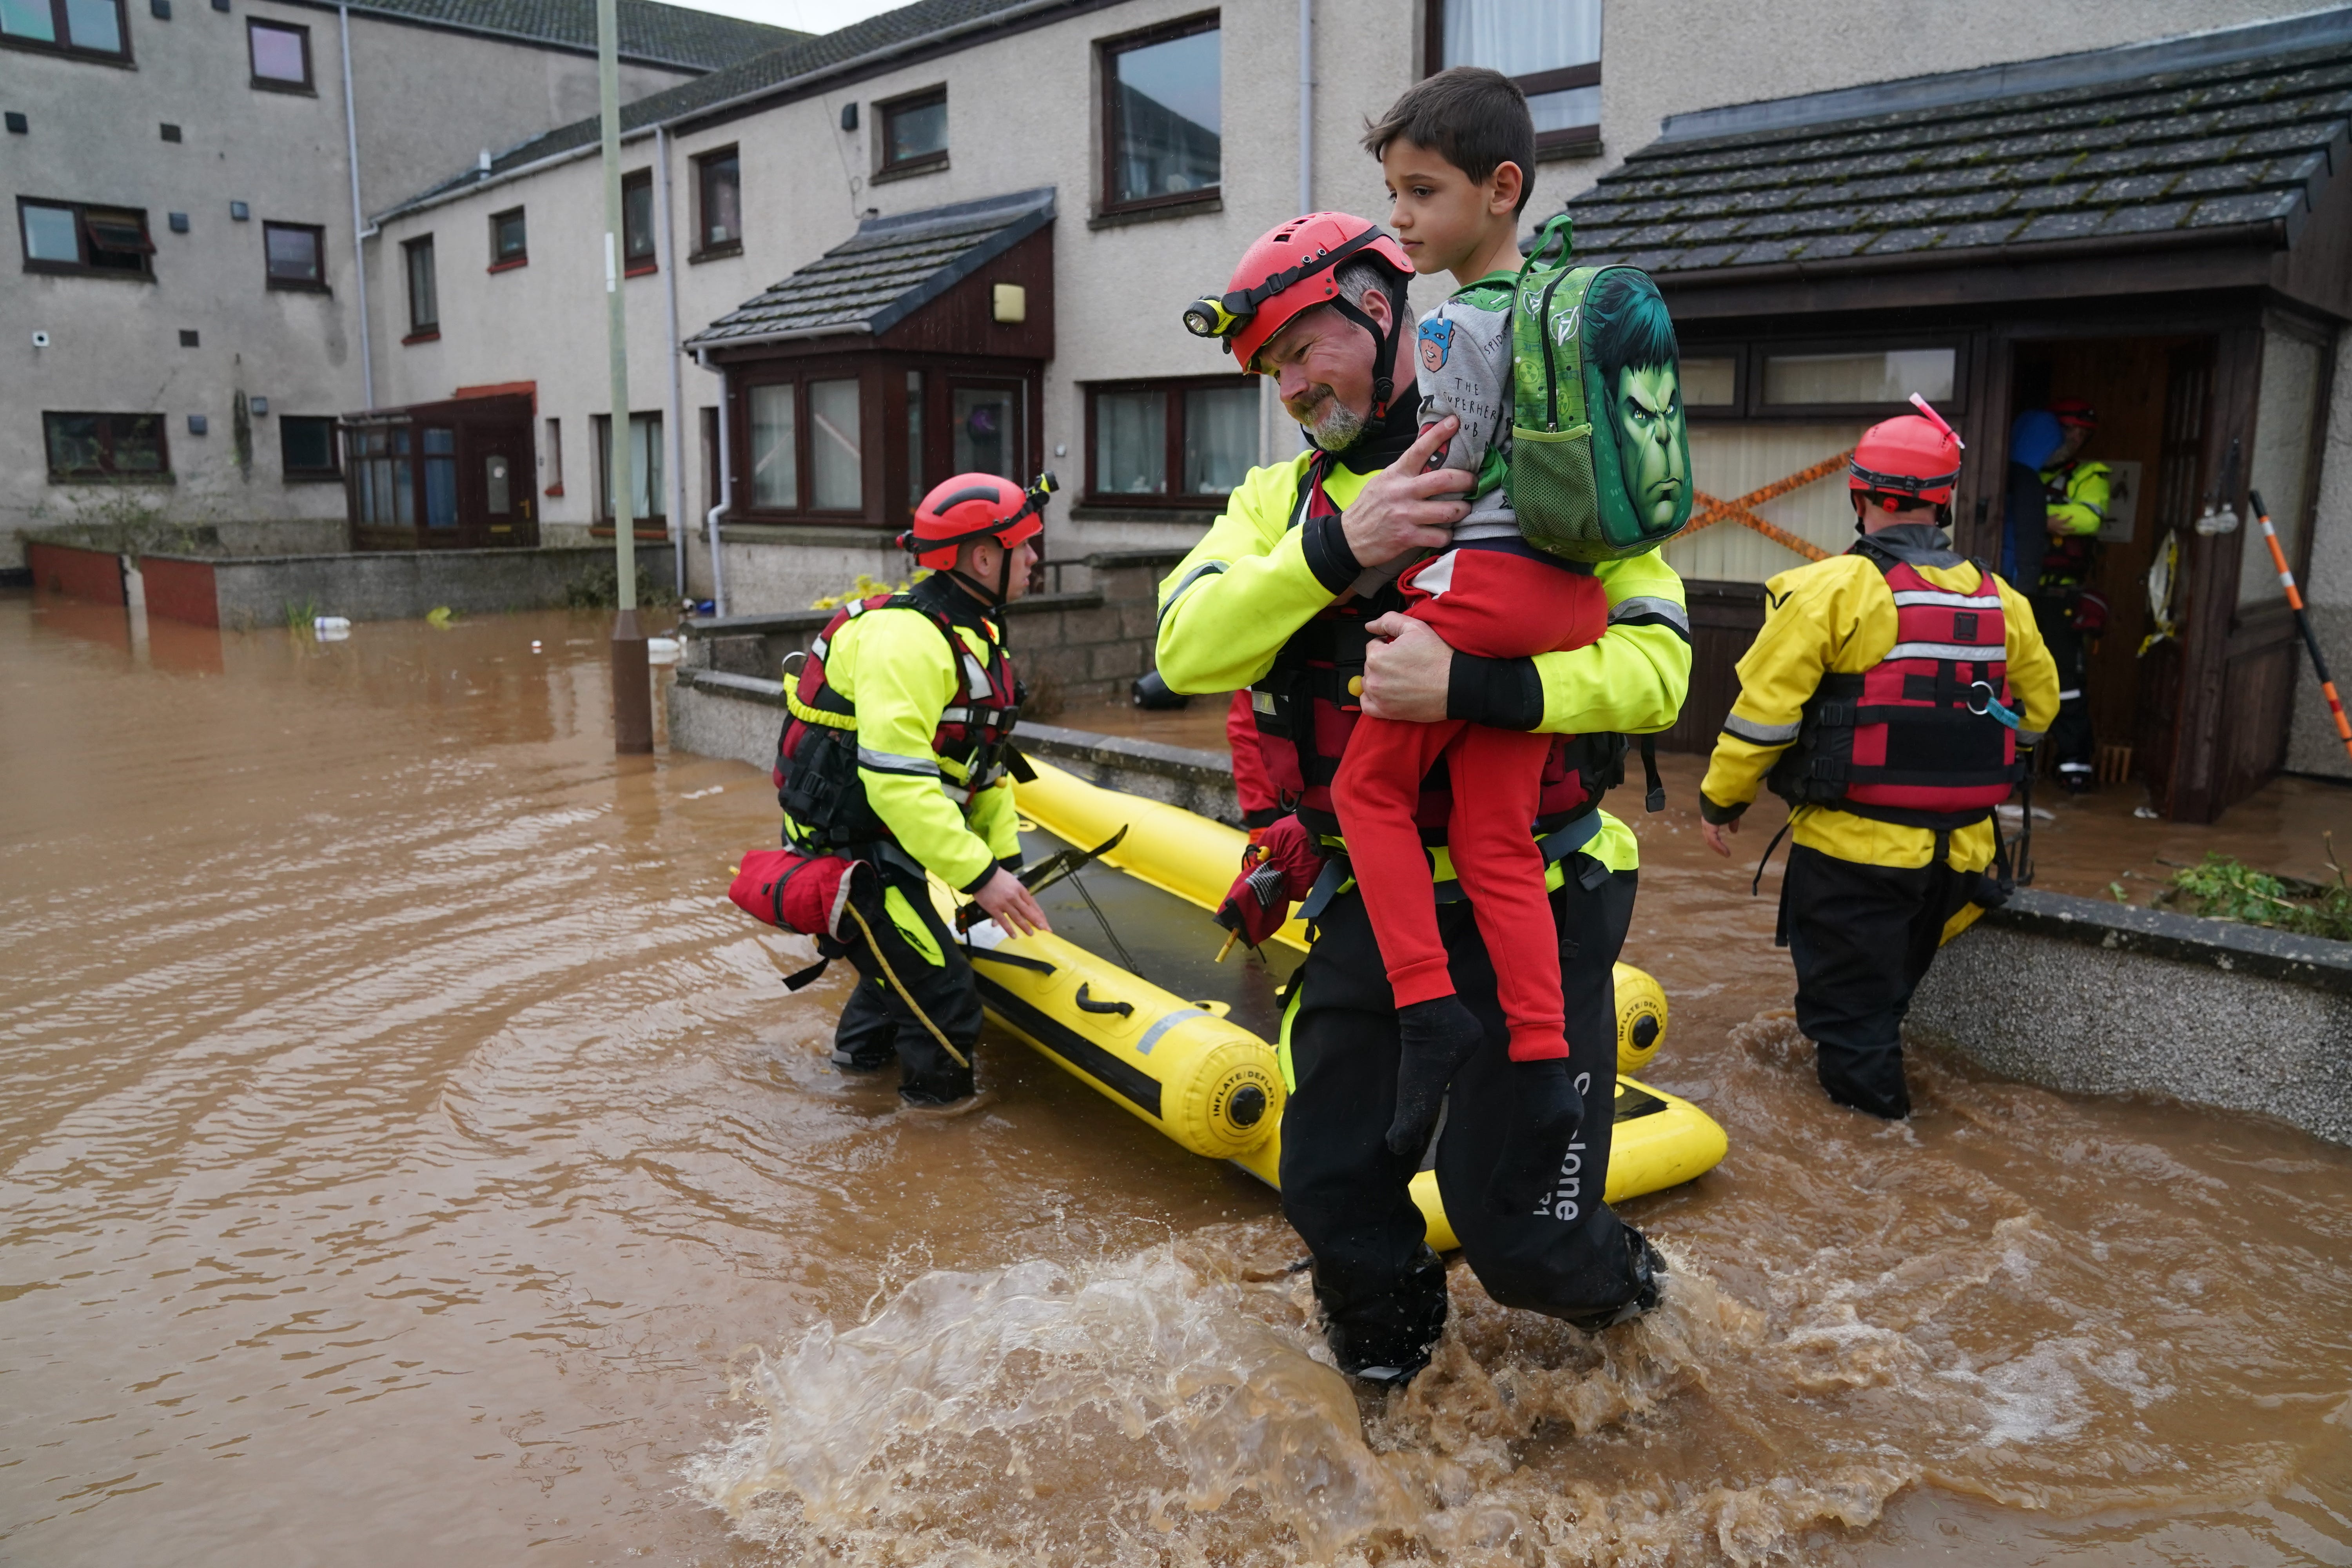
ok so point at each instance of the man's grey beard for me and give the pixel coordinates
(1339, 426)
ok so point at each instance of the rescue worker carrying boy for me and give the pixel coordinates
(1887, 699)
(896, 758)
(1291, 592)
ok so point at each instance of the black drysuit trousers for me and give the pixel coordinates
(1862, 937)
(2071, 741)
(1381, 1290)
(877, 1021)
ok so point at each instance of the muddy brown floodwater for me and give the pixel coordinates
(406, 1155)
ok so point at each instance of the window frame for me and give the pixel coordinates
(84, 266)
(292, 474)
(1569, 141)
(1747, 405)
(703, 248)
(522, 257)
(635, 264)
(599, 427)
(317, 233)
(888, 110)
(307, 87)
(60, 24)
(105, 475)
(1107, 51)
(420, 332)
(1173, 389)
(555, 455)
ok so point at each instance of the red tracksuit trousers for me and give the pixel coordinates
(1498, 603)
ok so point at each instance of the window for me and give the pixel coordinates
(423, 298)
(1170, 442)
(88, 28)
(1710, 381)
(914, 438)
(508, 241)
(836, 467)
(645, 468)
(1550, 47)
(914, 136)
(987, 431)
(296, 255)
(555, 457)
(98, 446)
(281, 56)
(384, 476)
(306, 445)
(707, 423)
(1160, 116)
(775, 453)
(719, 203)
(440, 448)
(1877, 378)
(69, 237)
(638, 223)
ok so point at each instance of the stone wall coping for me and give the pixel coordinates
(827, 536)
(749, 688)
(234, 562)
(2227, 945)
(1112, 560)
(787, 621)
(1122, 751)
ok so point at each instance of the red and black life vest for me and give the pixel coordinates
(1308, 704)
(817, 756)
(1899, 742)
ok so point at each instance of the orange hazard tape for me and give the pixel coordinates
(1712, 510)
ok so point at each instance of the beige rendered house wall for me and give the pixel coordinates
(427, 99)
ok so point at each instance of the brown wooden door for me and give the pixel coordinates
(498, 488)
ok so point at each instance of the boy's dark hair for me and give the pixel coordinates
(1629, 325)
(1475, 119)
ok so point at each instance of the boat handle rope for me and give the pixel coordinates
(1086, 1003)
(904, 995)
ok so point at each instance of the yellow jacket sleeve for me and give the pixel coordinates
(898, 674)
(992, 816)
(1809, 613)
(2032, 673)
(1230, 606)
(2089, 487)
(1633, 679)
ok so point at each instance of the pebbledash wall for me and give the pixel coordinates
(434, 87)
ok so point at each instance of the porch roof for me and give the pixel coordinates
(2223, 136)
(891, 269)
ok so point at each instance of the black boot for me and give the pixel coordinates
(1647, 1271)
(1435, 1037)
(1546, 1113)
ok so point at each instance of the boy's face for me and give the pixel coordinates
(1650, 441)
(1439, 213)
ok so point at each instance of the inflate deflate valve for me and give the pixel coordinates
(1641, 1018)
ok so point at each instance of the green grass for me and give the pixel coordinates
(2224, 888)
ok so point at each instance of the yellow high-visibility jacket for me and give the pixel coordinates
(894, 667)
(1838, 616)
(2089, 489)
(1247, 588)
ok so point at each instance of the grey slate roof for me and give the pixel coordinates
(2211, 144)
(650, 32)
(891, 267)
(807, 57)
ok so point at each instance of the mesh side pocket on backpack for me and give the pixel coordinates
(1552, 491)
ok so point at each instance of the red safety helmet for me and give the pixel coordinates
(1911, 457)
(1290, 270)
(976, 506)
(2074, 411)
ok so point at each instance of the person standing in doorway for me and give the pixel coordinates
(1888, 698)
(2068, 612)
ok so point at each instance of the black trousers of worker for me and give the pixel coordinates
(1381, 1290)
(1863, 937)
(877, 1018)
(2070, 736)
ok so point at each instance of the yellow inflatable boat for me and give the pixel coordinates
(1188, 1070)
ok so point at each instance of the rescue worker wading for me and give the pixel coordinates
(1290, 593)
(895, 754)
(1888, 697)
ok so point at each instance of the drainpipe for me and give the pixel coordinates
(676, 420)
(359, 213)
(726, 484)
(1305, 106)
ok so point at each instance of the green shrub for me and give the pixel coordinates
(2224, 888)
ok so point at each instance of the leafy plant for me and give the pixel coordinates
(2224, 888)
(301, 617)
(867, 587)
(599, 588)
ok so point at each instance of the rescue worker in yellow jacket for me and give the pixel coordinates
(1292, 592)
(1888, 698)
(2068, 609)
(897, 754)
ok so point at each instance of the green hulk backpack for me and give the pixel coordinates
(1599, 453)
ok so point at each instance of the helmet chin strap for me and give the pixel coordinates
(1384, 349)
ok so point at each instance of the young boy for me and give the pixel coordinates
(1455, 149)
